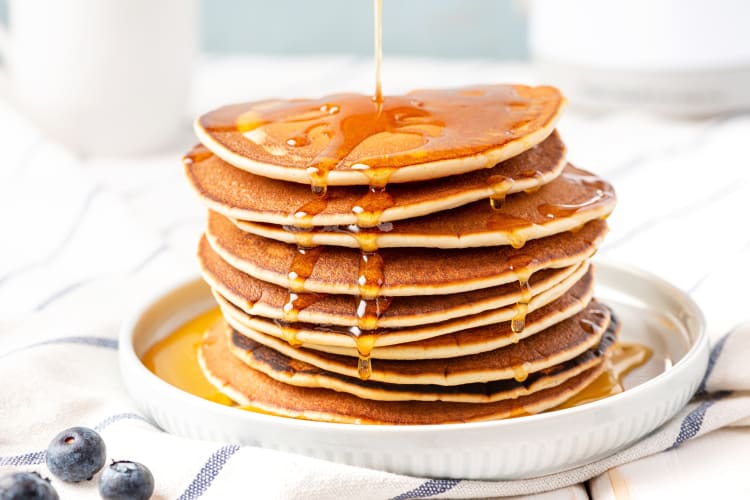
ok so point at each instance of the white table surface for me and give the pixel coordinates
(683, 214)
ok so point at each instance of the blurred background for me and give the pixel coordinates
(85, 60)
(443, 28)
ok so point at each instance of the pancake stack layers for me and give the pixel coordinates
(419, 260)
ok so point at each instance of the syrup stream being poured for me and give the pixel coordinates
(368, 210)
(378, 49)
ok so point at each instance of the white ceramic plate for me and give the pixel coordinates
(651, 311)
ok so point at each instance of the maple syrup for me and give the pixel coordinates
(368, 209)
(601, 191)
(174, 358)
(378, 50)
(625, 358)
(497, 200)
(366, 241)
(521, 265)
(289, 333)
(197, 154)
(302, 266)
(369, 308)
(303, 215)
(371, 206)
(297, 302)
(500, 186)
(521, 371)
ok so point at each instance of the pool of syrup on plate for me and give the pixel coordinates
(174, 359)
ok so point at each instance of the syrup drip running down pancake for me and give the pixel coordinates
(242, 195)
(568, 202)
(406, 271)
(349, 139)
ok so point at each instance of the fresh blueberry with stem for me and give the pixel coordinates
(126, 480)
(26, 486)
(76, 454)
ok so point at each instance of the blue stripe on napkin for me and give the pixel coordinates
(428, 489)
(712, 359)
(692, 423)
(208, 472)
(33, 458)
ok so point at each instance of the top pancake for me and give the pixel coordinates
(348, 139)
(245, 196)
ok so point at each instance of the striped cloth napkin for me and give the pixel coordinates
(83, 238)
(67, 380)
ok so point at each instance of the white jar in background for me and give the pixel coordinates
(682, 57)
(102, 76)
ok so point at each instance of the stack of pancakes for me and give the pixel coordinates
(419, 260)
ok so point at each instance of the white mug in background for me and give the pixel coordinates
(680, 57)
(102, 76)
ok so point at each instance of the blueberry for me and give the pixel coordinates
(126, 480)
(26, 486)
(76, 454)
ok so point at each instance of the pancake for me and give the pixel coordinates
(461, 343)
(259, 298)
(295, 372)
(552, 346)
(251, 388)
(241, 195)
(341, 336)
(405, 271)
(348, 139)
(569, 201)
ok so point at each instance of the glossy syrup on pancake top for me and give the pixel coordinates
(356, 132)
